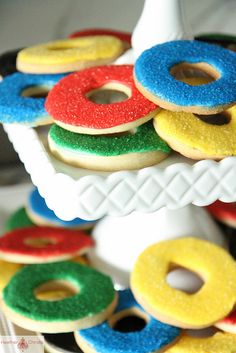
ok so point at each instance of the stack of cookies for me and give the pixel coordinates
(197, 118)
(116, 117)
(34, 234)
(160, 109)
(108, 137)
(61, 299)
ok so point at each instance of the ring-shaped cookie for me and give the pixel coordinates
(195, 136)
(16, 105)
(70, 107)
(104, 338)
(41, 215)
(136, 150)
(124, 36)
(220, 342)
(196, 310)
(224, 40)
(93, 302)
(43, 244)
(224, 212)
(19, 219)
(8, 62)
(155, 80)
(228, 324)
(67, 55)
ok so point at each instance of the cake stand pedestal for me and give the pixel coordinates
(120, 240)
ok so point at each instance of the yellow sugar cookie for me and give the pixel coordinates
(197, 136)
(7, 271)
(211, 302)
(218, 343)
(68, 55)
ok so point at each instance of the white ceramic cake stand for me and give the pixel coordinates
(120, 240)
(159, 195)
(176, 182)
(74, 192)
(161, 21)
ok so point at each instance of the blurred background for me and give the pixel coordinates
(26, 22)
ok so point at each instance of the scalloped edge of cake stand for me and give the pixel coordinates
(91, 195)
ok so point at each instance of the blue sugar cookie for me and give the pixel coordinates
(151, 338)
(155, 69)
(22, 98)
(40, 214)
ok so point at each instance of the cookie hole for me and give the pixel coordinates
(55, 290)
(188, 70)
(36, 92)
(109, 93)
(39, 242)
(184, 280)
(72, 44)
(130, 320)
(223, 118)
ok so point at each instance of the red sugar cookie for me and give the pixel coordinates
(70, 107)
(43, 244)
(124, 36)
(228, 324)
(224, 212)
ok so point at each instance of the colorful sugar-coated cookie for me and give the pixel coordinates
(67, 55)
(196, 310)
(19, 219)
(199, 136)
(228, 324)
(124, 36)
(52, 292)
(60, 343)
(225, 40)
(155, 77)
(7, 271)
(218, 343)
(136, 150)
(93, 299)
(8, 62)
(129, 330)
(41, 215)
(223, 212)
(70, 107)
(43, 244)
(21, 98)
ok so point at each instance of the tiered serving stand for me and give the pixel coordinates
(73, 192)
(173, 184)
